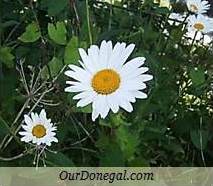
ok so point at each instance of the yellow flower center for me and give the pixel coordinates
(39, 131)
(106, 81)
(193, 8)
(199, 26)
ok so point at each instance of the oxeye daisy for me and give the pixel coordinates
(175, 18)
(198, 6)
(38, 129)
(200, 23)
(163, 3)
(106, 80)
(199, 37)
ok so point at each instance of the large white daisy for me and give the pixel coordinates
(200, 23)
(198, 6)
(106, 81)
(38, 129)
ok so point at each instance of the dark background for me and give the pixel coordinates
(210, 13)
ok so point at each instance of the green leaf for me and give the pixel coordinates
(127, 140)
(9, 23)
(71, 55)
(59, 160)
(57, 32)
(138, 162)
(199, 138)
(112, 157)
(31, 34)
(54, 7)
(8, 84)
(87, 109)
(55, 66)
(111, 154)
(6, 57)
(4, 127)
(197, 76)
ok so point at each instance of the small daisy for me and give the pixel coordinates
(175, 18)
(198, 6)
(163, 3)
(200, 23)
(111, 1)
(203, 39)
(38, 129)
(106, 80)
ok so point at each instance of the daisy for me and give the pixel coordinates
(175, 18)
(38, 129)
(198, 6)
(111, 1)
(200, 23)
(163, 3)
(106, 80)
(203, 39)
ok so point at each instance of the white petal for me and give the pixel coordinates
(127, 52)
(103, 54)
(104, 107)
(137, 72)
(116, 54)
(112, 102)
(109, 50)
(23, 133)
(93, 53)
(100, 107)
(146, 77)
(87, 61)
(77, 88)
(132, 65)
(49, 140)
(82, 95)
(83, 77)
(79, 70)
(83, 54)
(139, 94)
(27, 120)
(86, 101)
(95, 114)
(126, 105)
(35, 118)
(128, 96)
(133, 85)
(26, 127)
(25, 139)
(48, 143)
(43, 114)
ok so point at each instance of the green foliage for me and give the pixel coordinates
(4, 127)
(128, 141)
(111, 152)
(71, 55)
(6, 57)
(54, 7)
(55, 66)
(172, 127)
(197, 76)
(57, 33)
(199, 138)
(59, 160)
(31, 34)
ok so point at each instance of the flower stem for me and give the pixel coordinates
(194, 39)
(88, 22)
